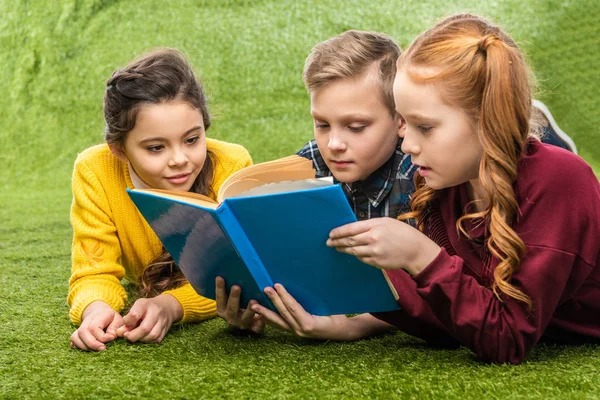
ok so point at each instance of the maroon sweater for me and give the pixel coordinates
(451, 300)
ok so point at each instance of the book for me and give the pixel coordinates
(269, 225)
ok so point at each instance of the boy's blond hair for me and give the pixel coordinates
(350, 54)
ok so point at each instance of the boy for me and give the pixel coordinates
(349, 78)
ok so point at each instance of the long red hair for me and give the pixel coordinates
(480, 69)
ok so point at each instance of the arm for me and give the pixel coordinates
(96, 273)
(455, 302)
(497, 331)
(293, 318)
(194, 307)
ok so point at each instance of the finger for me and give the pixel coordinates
(77, 342)
(258, 325)
(352, 229)
(141, 331)
(113, 326)
(365, 251)
(136, 313)
(233, 303)
(292, 306)
(90, 340)
(220, 295)
(361, 239)
(248, 316)
(271, 317)
(156, 334)
(281, 307)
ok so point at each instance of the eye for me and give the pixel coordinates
(155, 148)
(192, 139)
(357, 128)
(321, 125)
(424, 128)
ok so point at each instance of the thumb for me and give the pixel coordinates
(132, 319)
(117, 321)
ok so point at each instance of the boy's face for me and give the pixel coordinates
(353, 128)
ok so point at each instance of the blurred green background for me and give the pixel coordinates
(55, 58)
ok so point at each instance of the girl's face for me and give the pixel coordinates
(167, 146)
(440, 138)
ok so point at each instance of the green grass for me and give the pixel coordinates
(55, 59)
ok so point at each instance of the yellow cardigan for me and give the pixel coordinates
(111, 239)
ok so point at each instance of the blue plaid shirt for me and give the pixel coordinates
(385, 193)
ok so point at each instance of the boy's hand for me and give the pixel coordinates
(229, 309)
(99, 326)
(385, 243)
(149, 320)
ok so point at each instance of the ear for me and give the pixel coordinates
(118, 152)
(401, 124)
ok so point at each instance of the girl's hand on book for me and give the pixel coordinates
(99, 326)
(149, 320)
(385, 243)
(228, 308)
(293, 318)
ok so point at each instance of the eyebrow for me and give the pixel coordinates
(158, 138)
(345, 117)
(419, 117)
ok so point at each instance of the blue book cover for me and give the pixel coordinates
(257, 240)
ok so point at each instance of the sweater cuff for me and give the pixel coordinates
(439, 265)
(81, 299)
(195, 307)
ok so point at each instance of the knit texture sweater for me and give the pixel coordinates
(112, 241)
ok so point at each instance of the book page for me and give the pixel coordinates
(290, 168)
(186, 197)
(287, 186)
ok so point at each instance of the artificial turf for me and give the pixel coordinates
(55, 59)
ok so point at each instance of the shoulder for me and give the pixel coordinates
(228, 158)
(550, 170)
(228, 153)
(94, 153)
(99, 160)
(559, 201)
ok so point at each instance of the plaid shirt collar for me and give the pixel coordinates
(377, 185)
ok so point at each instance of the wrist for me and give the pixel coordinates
(172, 305)
(428, 251)
(95, 306)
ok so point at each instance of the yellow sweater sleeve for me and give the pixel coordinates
(96, 271)
(229, 159)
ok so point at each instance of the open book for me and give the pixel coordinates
(269, 226)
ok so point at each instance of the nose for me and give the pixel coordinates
(410, 143)
(178, 158)
(336, 141)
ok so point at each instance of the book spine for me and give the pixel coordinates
(246, 251)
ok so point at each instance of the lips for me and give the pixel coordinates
(423, 171)
(179, 178)
(340, 163)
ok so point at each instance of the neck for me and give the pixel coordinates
(477, 194)
(138, 183)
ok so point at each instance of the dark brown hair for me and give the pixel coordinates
(159, 76)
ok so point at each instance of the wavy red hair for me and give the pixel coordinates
(480, 69)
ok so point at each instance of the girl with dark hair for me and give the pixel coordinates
(156, 121)
(504, 256)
